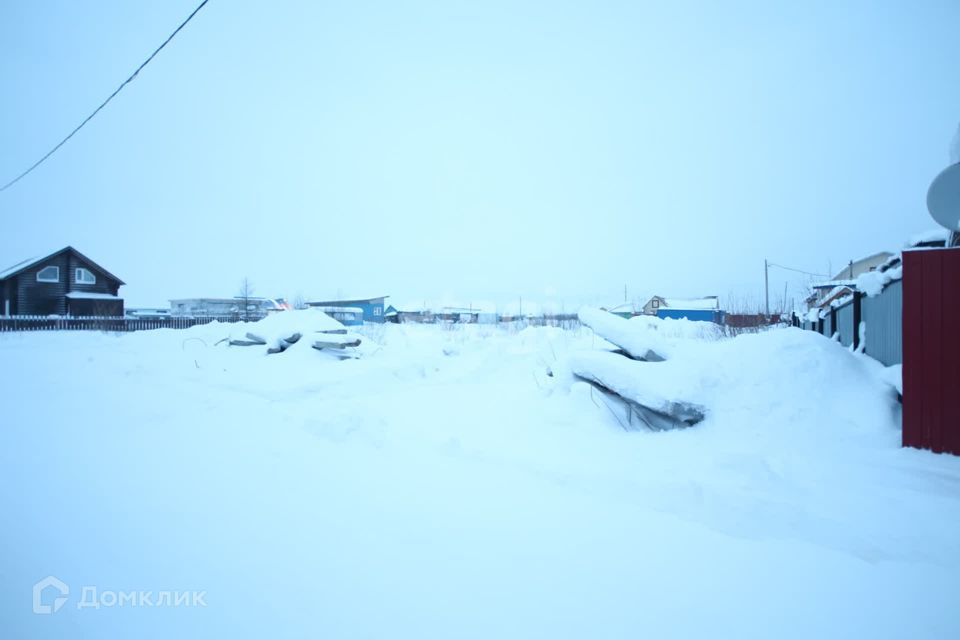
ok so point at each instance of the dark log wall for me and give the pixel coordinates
(27, 296)
(43, 298)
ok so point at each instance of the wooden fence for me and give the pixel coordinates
(97, 323)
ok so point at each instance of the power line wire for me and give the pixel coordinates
(819, 275)
(105, 102)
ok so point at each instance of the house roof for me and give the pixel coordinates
(233, 300)
(89, 295)
(338, 309)
(836, 294)
(874, 258)
(20, 267)
(623, 307)
(343, 301)
(832, 284)
(444, 305)
(691, 304)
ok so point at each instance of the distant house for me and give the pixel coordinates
(403, 313)
(843, 284)
(447, 311)
(624, 310)
(823, 294)
(226, 307)
(371, 308)
(705, 309)
(464, 315)
(148, 312)
(863, 265)
(347, 316)
(65, 283)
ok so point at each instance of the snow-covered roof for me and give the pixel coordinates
(153, 311)
(837, 297)
(862, 265)
(535, 308)
(623, 307)
(691, 304)
(26, 264)
(336, 309)
(465, 306)
(928, 237)
(90, 295)
(233, 300)
(339, 300)
(9, 271)
(445, 305)
(833, 284)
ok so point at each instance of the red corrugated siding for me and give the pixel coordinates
(931, 350)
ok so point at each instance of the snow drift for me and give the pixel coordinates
(279, 331)
(414, 494)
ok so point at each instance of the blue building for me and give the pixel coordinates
(702, 315)
(371, 309)
(698, 309)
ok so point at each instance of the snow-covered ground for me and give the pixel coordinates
(443, 486)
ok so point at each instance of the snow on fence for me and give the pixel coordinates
(102, 323)
(875, 322)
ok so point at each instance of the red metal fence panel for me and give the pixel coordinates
(931, 349)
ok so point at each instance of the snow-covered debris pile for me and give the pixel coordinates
(655, 400)
(762, 377)
(677, 330)
(646, 338)
(279, 331)
(639, 343)
(634, 375)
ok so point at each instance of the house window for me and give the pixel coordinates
(85, 277)
(656, 303)
(49, 274)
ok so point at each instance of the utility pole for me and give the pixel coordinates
(766, 284)
(624, 293)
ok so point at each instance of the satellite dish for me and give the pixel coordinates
(943, 198)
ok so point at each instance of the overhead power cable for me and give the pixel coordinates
(105, 102)
(808, 273)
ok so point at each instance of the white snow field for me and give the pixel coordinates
(443, 486)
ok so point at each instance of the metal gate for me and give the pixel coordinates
(931, 349)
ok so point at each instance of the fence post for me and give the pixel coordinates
(857, 297)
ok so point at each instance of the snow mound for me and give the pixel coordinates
(276, 330)
(775, 379)
(679, 328)
(646, 337)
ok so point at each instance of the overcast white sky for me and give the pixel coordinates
(474, 150)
